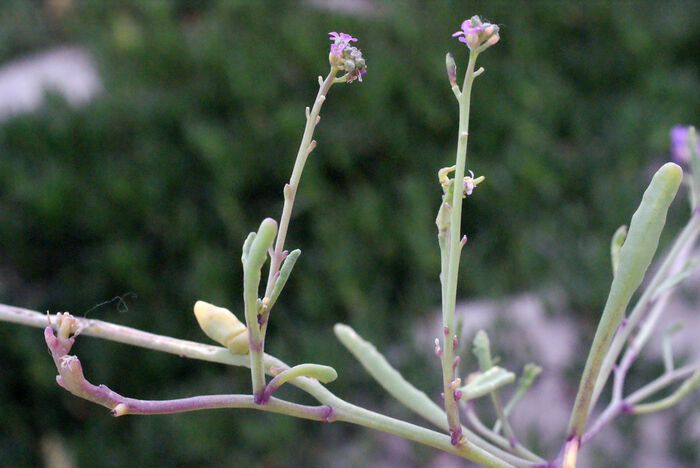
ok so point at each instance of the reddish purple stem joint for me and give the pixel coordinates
(456, 437)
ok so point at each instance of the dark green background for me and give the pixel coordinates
(152, 187)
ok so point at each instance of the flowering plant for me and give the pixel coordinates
(460, 430)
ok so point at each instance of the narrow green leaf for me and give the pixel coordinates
(257, 254)
(389, 378)
(324, 374)
(635, 256)
(263, 239)
(285, 271)
(615, 245)
(482, 350)
(486, 382)
(246, 247)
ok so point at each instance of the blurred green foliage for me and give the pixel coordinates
(152, 187)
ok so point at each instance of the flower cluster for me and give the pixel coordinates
(345, 57)
(477, 34)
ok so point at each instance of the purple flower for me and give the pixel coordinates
(680, 149)
(340, 40)
(346, 57)
(468, 29)
(468, 186)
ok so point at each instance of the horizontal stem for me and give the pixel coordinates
(342, 410)
(128, 335)
(273, 405)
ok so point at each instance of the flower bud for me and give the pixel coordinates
(451, 69)
(334, 60)
(472, 41)
(222, 326)
(491, 41)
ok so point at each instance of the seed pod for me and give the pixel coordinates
(222, 326)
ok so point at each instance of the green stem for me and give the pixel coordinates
(503, 419)
(290, 189)
(259, 328)
(448, 309)
(347, 412)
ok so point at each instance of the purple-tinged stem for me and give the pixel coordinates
(661, 382)
(72, 379)
(274, 405)
(620, 405)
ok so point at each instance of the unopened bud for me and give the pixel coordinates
(463, 240)
(438, 349)
(222, 326)
(451, 69)
(334, 60)
(491, 41)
